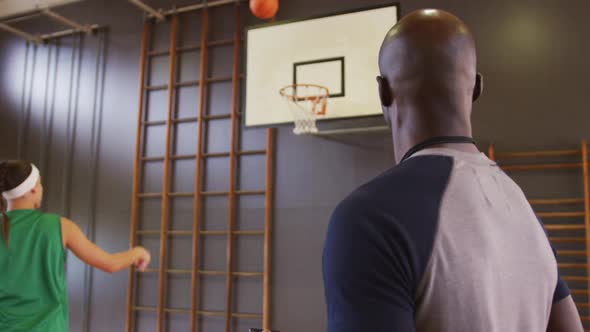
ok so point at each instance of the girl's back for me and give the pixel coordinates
(33, 293)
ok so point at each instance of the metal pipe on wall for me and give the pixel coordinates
(44, 122)
(27, 114)
(72, 120)
(80, 27)
(65, 33)
(48, 144)
(23, 107)
(161, 15)
(151, 11)
(95, 131)
(22, 18)
(66, 171)
(29, 37)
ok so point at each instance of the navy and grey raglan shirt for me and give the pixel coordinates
(445, 241)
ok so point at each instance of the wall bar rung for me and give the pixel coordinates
(186, 83)
(565, 227)
(239, 153)
(186, 120)
(159, 53)
(173, 157)
(214, 193)
(183, 157)
(575, 278)
(149, 195)
(148, 159)
(561, 214)
(571, 252)
(175, 121)
(525, 167)
(201, 313)
(250, 192)
(207, 272)
(252, 152)
(217, 117)
(148, 232)
(572, 265)
(181, 194)
(245, 233)
(190, 48)
(156, 87)
(563, 201)
(238, 192)
(222, 79)
(216, 155)
(154, 123)
(556, 153)
(562, 239)
(180, 232)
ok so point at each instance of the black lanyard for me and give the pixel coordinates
(437, 141)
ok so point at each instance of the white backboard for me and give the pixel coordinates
(339, 52)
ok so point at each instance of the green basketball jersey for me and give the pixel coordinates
(33, 293)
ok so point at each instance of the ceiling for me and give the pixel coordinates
(10, 8)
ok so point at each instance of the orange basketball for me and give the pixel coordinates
(264, 9)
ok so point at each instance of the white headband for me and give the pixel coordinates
(23, 188)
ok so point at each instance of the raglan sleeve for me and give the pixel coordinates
(561, 289)
(367, 273)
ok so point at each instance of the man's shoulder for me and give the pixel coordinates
(404, 186)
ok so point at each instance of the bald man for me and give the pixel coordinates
(444, 241)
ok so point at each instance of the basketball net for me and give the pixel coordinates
(306, 102)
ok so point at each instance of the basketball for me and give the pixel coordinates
(264, 9)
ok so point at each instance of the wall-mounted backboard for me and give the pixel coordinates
(339, 52)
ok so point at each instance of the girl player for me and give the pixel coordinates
(33, 293)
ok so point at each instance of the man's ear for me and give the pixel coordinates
(385, 94)
(478, 88)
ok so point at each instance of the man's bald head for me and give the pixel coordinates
(428, 52)
(428, 78)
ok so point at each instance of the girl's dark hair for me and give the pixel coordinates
(12, 174)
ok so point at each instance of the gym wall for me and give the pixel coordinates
(533, 54)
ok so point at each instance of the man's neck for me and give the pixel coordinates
(403, 143)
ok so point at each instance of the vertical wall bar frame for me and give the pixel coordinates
(137, 166)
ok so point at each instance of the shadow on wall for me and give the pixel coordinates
(53, 101)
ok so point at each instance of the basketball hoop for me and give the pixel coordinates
(306, 102)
